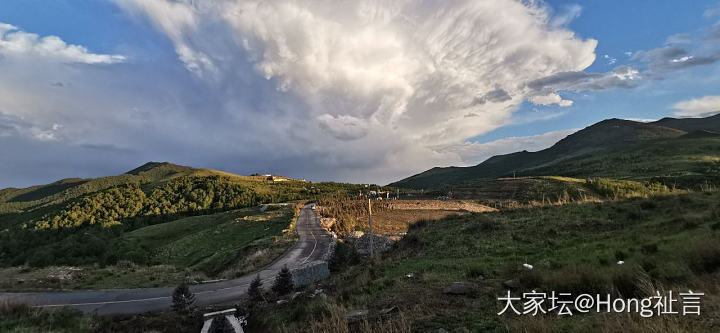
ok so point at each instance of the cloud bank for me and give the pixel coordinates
(698, 107)
(385, 87)
(17, 43)
(361, 91)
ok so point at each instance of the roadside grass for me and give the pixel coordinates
(222, 245)
(667, 242)
(22, 319)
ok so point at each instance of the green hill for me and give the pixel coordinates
(711, 123)
(622, 148)
(72, 218)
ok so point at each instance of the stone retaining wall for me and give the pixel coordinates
(314, 271)
(310, 273)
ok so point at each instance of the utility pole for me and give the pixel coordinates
(370, 223)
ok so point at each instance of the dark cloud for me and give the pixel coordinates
(672, 58)
(620, 77)
(713, 33)
(496, 96)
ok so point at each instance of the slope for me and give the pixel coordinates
(605, 136)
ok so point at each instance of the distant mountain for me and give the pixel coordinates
(66, 189)
(607, 135)
(710, 124)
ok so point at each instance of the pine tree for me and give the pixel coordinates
(183, 300)
(283, 282)
(255, 289)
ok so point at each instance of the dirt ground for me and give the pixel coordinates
(395, 216)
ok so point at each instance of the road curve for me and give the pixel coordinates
(312, 245)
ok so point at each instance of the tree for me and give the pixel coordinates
(283, 282)
(255, 289)
(183, 300)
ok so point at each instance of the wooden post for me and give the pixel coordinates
(370, 223)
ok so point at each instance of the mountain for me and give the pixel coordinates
(611, 135)
(67, 189)
(72, 220)
(711, 124)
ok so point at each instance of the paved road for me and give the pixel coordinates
(312, 244)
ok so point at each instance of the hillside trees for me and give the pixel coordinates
(180, 196)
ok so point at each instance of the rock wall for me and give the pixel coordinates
(310, 273)
(314, 271)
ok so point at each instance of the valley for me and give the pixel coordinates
(622, 208)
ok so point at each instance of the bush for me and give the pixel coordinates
(620, 189)
(577, 280)
(183, 300)
(255, 290)
(649, 248)
(283, 283)
(620, 255)
(630, 282)
(704, 256)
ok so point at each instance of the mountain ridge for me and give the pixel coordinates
(603, 135)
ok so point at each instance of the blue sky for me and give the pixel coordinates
(325, 92)
(619, 27)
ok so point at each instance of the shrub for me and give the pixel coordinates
(283, 282)
(183, 300)
(649, 248)
(474, 272)
(631, 282)
(619, 189)
(255, 289)
(704, 256)
(648, 205)
(579, 279)
(620, 255)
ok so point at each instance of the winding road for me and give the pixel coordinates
(312, 245)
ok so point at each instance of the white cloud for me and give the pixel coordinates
(567, 14)
(698, 107)
(709, 13)
(610, 60)
(681, 38)
(549, 99)
(17, 43)
(400, 77)
(643, 120)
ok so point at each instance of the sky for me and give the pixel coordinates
(366, 91)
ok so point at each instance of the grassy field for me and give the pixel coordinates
(679, 162)
(667, 242)
(612, 149)
(222, 245)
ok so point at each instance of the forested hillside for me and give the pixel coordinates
(674, 151)
(75, 221)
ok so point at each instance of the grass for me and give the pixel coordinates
(223, 245)
(668, 242)
(23, 319)
(676, 162)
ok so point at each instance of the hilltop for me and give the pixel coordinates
(79, 221)
(667, 146)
